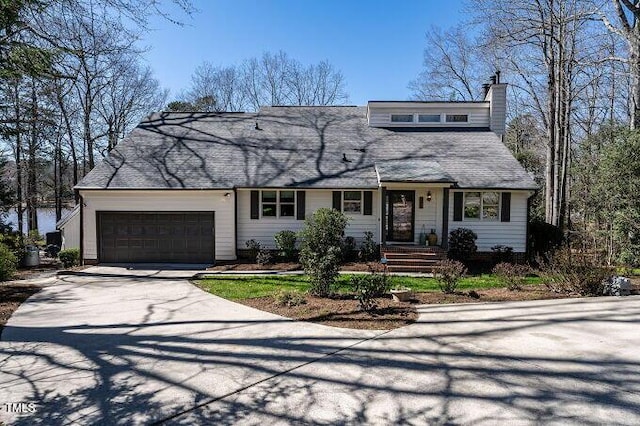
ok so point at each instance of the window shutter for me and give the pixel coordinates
(368, 203)
(457, 206)
(337, 200)
(505, 214)
(300, 207)
(255, 204)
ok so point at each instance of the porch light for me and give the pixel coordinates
(429, 196)
(227, 194)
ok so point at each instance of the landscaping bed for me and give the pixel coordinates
(11, 297)
(248, 266)
(342, 310)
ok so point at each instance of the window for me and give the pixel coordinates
(269, 203)
(457, 118)
(352, 202)
(490, 205)
(429, 118)
(472, 205)
(402, 118)
(482, 206)
(287, 203)
(278, 203)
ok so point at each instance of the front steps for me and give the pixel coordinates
(412, 258)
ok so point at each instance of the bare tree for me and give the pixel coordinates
(454, 67)
(626, 26)
(272, 79)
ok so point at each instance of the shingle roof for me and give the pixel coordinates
(306, 147)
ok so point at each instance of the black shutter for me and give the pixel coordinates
(300, 207)
(457, 206)
(337, 200)
(368, 203)
(505, 215)
(255, 204)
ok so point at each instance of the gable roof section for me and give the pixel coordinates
(304, 147)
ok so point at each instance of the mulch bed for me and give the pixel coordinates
(341, 312)
(11, 296)
(345, 312)
(247, 265)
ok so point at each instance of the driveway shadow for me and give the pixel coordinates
(193, 359)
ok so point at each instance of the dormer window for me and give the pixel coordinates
(457, 118)
(402, 118)
(428, 118)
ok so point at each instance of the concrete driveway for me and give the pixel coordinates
(135, 347)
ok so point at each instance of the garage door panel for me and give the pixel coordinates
(129, 237)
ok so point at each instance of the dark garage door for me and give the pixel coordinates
(176, 237)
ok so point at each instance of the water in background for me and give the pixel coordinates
(46, 219)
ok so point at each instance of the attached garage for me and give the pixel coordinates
(148, 237)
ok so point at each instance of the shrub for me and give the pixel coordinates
(290, 299)
(321, 249)
(253, 247)
(448, 275)
(502, 254)
(348, 249)
(568, 272)
(510, 275)
(369, 250)
(8, 263)
(367, 288)
(69, 257)
(15, 242)
(286, 244)
(462, 244)
(264, 257)
(543, 238)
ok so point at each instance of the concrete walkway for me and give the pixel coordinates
(116, 346)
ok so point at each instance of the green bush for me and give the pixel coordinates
(286, 244)
(8, 263)
(290, 299)
(369, 249)
(253, 248)
(448, 275)
(367, 288)
(462, 244)
(543, 238)
(15, 242)
(502, 253)
(321, 249)
(565, 271)
(264, 257)
(348, 249)
(510, 275)
(69, 257)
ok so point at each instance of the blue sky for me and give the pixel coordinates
(378, 45)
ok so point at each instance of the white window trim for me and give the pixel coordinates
(342, 200)
(480, 218)
(277, 203)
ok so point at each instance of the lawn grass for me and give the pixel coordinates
(249, 287)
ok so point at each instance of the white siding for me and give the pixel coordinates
(263, 229)
(427, 216)
(71, 230)
(512, 233)
(497, 95)
(478, 115)
(158, 201)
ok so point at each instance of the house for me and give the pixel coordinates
(194, 187)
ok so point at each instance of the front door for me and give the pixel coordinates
(400, 216)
